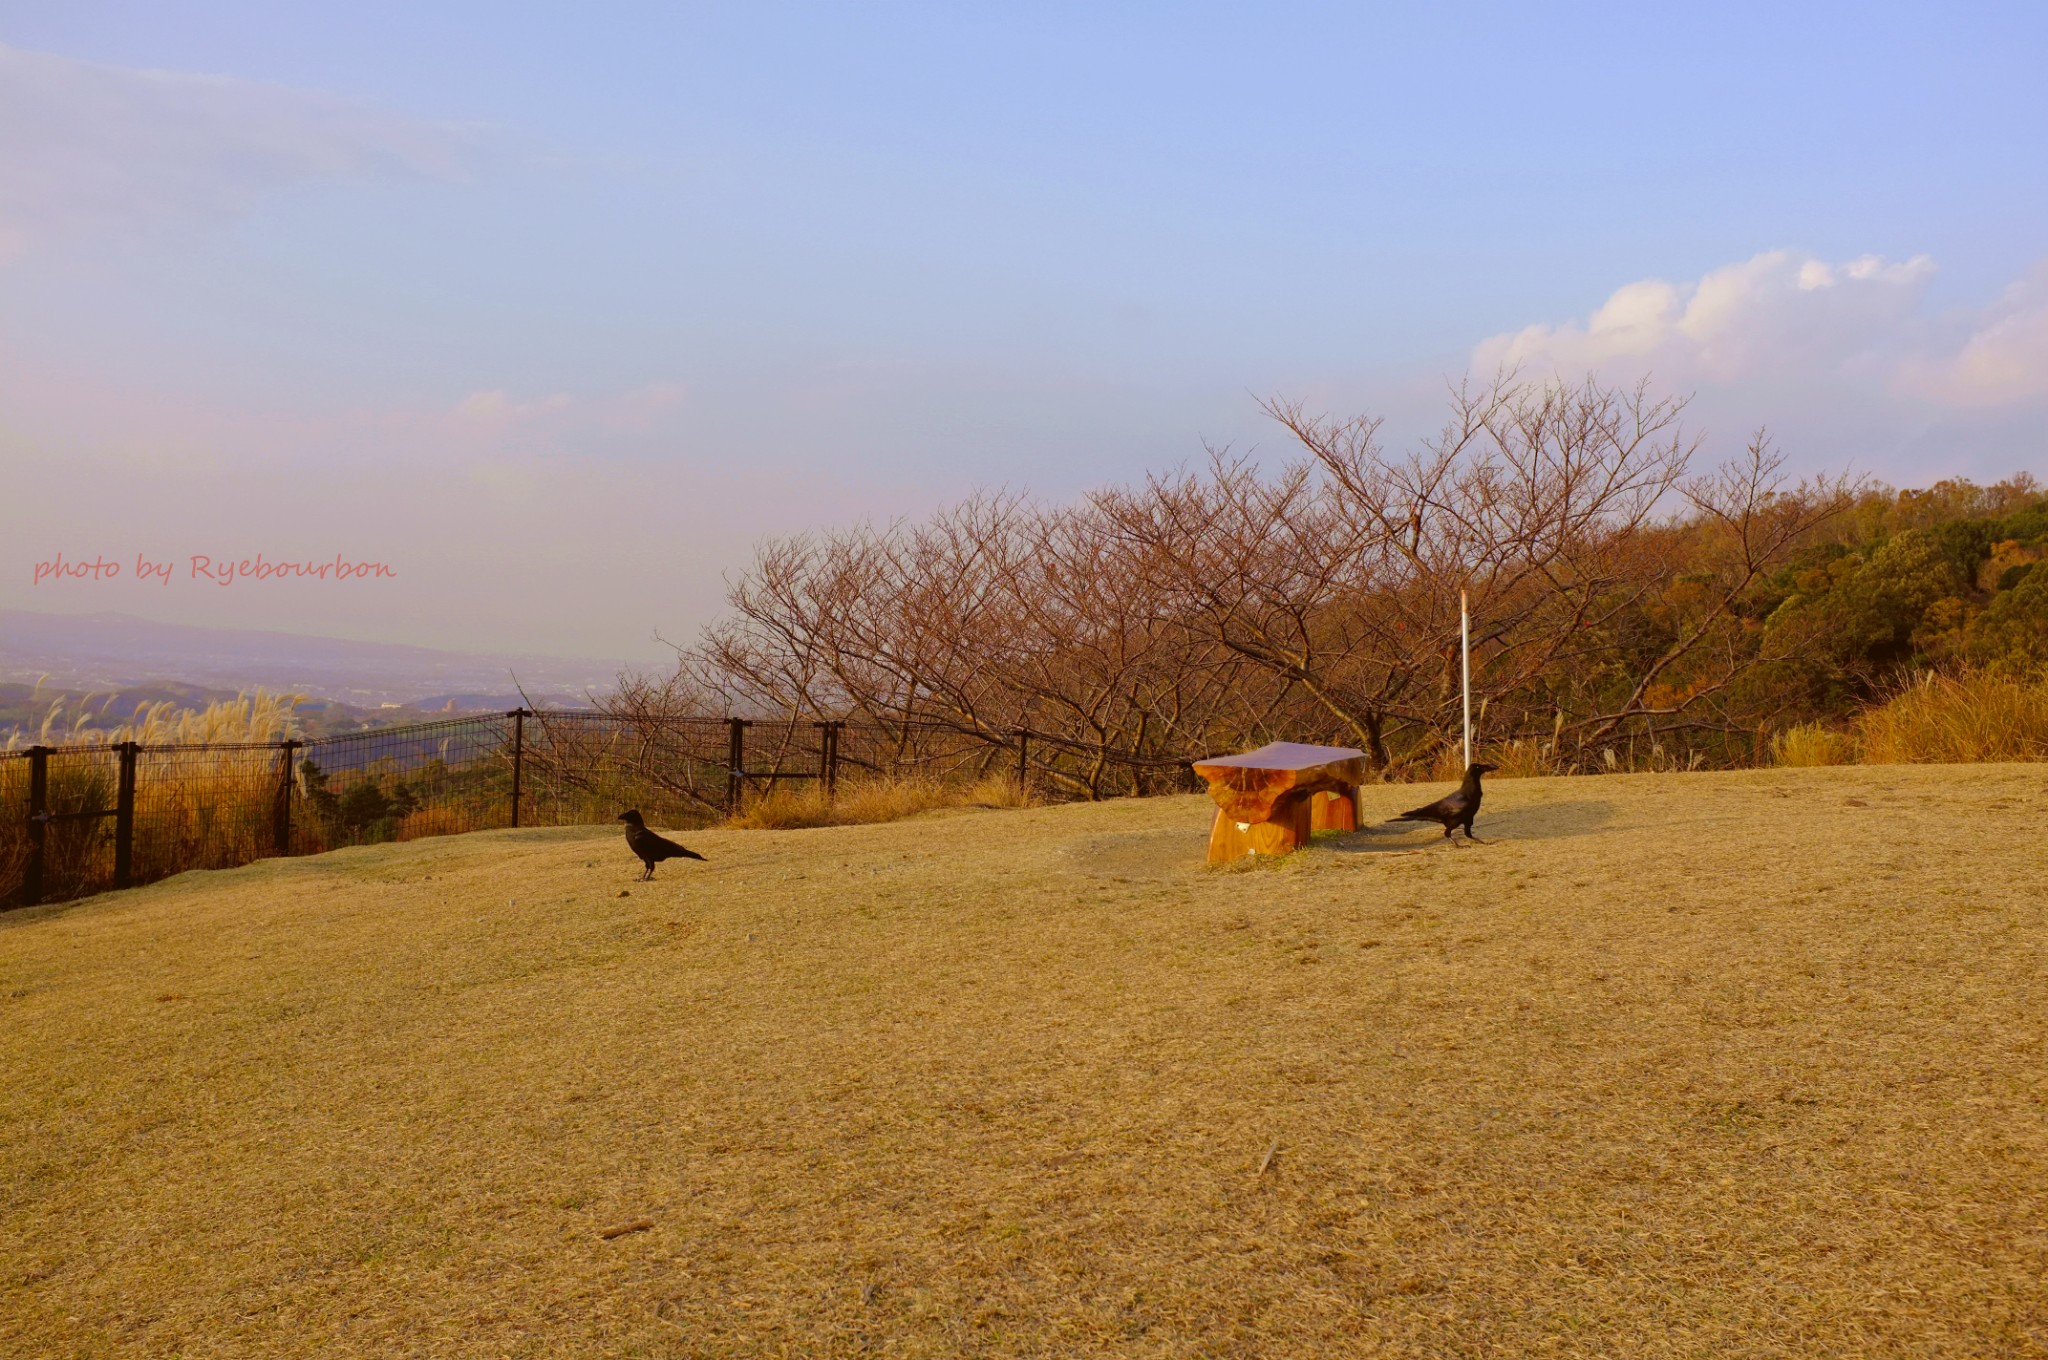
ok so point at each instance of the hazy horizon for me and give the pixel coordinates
(554, 315)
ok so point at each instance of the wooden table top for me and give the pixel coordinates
(1282, 755)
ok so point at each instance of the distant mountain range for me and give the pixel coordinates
(110, 653)
(27, 712)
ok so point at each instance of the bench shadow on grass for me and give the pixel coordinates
(1544, 822)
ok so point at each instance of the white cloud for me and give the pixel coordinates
(1777, 309)
(498, 410)
(561, 419)
(94, 148)
(2004, 360)
(1845, 361)
(645, 408)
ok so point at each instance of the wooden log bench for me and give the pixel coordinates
(1270, 801)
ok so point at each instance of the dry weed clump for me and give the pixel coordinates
(878, 798)
(1812, 744)
(78, 783)
(1538, 758)
(1526, 759)
(194, 809)
(1957, 718)
(439, 820)
(1446, 763)
(258, 716)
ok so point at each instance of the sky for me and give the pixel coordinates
(556, 311)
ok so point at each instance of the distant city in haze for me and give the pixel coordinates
(120, 662)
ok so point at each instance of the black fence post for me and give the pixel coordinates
(281, 830)
(124, 818)
(518, 716)
(828, 755)
(1023, 758)
(38, 823)
(735, 762)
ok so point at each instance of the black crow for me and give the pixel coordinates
(1457, 809)
(652, 849)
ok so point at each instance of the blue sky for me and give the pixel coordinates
(560, 308)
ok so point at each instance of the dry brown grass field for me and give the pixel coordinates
(1746, 1064)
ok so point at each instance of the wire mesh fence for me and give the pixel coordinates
(81, 819)
(403, 783)
(586, 767)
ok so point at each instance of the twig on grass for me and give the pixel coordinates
(1267, 1160)
(637, 1225)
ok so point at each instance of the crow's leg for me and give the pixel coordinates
(1470, 837)
(648, 872)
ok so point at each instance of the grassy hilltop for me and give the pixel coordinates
(1685, 1065)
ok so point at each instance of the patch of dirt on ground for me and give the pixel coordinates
(1684, 1065)
(1153, 856)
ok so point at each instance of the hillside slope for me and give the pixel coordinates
(1742, 1064)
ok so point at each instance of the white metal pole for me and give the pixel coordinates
(1465, 634)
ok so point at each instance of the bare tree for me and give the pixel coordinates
(1317, 599)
